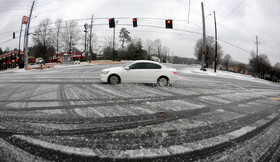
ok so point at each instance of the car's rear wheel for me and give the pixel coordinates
(162, 81)
(114, 79)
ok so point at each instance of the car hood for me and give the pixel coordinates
(172, 69)
(113, 68)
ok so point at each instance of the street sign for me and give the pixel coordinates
(86, 26)
(25, 19)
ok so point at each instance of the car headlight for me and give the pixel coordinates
(105, 72)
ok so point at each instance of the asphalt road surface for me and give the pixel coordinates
(68, 114)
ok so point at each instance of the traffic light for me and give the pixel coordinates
(134, 20)
(205, 53)
(112, 23)
(168, 24)
(14, 35)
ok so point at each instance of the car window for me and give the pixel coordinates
(151, 66)
(136, 66)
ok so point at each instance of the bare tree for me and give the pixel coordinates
(277, 70)
(158, 48)
(260, 65)
(43, 40)
(70, 35)
(165, 51)
(43, 33)
(149, 44)
(93, 44)
(57, 32)
(108, 48)
(210, 48)
(227, 60)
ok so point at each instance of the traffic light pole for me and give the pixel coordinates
(113, 57)
(19, 56)
(216, 44)
(204, 39)
(90, 41)
(26, 35)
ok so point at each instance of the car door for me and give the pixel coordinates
(134, 73)
(151, 72)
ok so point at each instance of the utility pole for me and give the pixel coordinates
(19, 56)
(90, 35)
(257, 45)
(26, 35)
(189, 11)
(86, 49)
(204, 39)
(257, 54)
(113, 58)
(216, 44)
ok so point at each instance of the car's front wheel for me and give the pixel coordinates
(114, 79)
(162, 81)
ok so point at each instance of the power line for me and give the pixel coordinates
(232, 11)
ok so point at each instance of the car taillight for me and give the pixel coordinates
(174, 72)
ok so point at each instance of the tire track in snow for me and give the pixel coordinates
(61, 95)
(175, 137)
(54, 155)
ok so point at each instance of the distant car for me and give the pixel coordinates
(39, 61)
(141, 71)
(76, 62)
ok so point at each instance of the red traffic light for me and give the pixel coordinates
(205, 53)
(112, 23)
(134, 21)
(168, 24)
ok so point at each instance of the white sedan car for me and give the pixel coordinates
(141, 71)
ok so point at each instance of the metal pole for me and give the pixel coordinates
(257, 43)
(204, 39)
(20, 57)
(86, 51)
(90, 45)
(216, 43)
(113, 45)
(26, 35)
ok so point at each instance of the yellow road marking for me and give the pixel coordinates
(275, 99)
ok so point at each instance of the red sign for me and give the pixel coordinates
(25, 20)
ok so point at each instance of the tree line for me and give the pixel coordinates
(67, 37)
(134, 48)
(258, 65)
(53, 38)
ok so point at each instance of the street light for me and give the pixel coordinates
(85, 51)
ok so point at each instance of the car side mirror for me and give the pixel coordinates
(126, 68)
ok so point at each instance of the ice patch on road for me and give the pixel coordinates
(64, 149)
(220, 110)
(214, 100)
(171, 150)
(174, 105)
(241, 132)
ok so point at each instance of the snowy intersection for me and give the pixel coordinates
(68, 114)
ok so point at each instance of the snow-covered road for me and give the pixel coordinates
(68, 114)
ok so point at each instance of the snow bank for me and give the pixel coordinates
(224, 74)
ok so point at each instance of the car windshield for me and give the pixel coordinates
(128, 64)
(139, 80)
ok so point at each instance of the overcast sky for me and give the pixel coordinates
(238, 22)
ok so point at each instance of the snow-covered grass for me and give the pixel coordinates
(195, 69)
